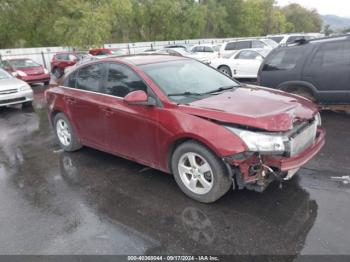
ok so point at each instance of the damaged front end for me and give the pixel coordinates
(274, 155)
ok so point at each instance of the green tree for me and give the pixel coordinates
(301, 19)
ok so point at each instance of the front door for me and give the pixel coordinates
(133, 129)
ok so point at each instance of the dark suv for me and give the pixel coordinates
(317, 69)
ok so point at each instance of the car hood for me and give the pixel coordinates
(11, 83)
(32, 70)
(255, 107)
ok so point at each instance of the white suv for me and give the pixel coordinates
(260, 43)
(285, 39)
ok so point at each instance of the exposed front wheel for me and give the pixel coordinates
(199, 173)
(65, 133)
(225, 70)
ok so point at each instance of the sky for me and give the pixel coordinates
(324, 7)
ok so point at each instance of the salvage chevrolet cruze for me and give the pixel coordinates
(183, 117)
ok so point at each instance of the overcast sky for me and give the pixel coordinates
(324, 7)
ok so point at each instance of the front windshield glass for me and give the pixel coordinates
(4, 75)
(187, 76)
(271, 43)
(264, 52)
(23, 63)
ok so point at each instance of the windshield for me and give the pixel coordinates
(264, 52)
(277, 39)
(23, 63)
(187, 76)
(4, 75)
(271, 43)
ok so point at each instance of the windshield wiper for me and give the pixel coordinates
(220, 89)
(186, 94)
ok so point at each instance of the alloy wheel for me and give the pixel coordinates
(196, 173)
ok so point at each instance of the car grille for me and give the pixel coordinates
(8, 91)
(8, 101)
(304, 139)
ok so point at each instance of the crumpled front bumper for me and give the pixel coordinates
(255, 171)
(289, 163)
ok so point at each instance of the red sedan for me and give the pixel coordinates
(27, 70)
(183, 117)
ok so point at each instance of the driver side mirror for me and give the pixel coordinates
(139, 97)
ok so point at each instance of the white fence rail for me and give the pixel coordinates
(44, 55)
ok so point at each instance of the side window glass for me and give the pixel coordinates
(208, 49)
(243, 45)
(121, 80)
(90, 77)
(71, 80)
(230, 46)
(247, 55)
(332, 54)
(284, 59)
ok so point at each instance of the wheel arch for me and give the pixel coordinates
(298, 85)
(179, 141)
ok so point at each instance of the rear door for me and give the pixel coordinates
(328, 69)
(132, 129)
(84, 105)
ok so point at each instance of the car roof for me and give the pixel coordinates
(144, 59)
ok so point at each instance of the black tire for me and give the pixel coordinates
(46, 83)
(74, 144)
(27, 104)
(221, 179)
(225, 70)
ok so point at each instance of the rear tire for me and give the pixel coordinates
(225, 70)
(65, 133)
(27, 104)
(199, 173)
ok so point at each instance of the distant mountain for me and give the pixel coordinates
(336, 22)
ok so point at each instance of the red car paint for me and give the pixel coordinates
(62, 60)
(31, 74)
(148, 134)
(107, 51)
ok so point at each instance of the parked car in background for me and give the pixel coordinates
(27, 70)
(62, 60)
(108, 51)
(208, 50)
(153, 109)
(14, 91)
(317, 69)
(242, 63)
(179, 46)
(285, 39)
(228, 48)
(182, 52)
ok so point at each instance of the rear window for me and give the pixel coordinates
(283, 59)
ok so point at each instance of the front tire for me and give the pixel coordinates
(199, 173)
(65, 133)
(225, 70)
